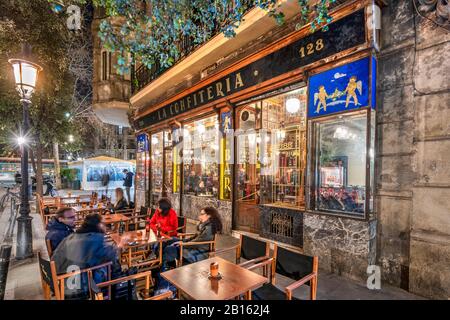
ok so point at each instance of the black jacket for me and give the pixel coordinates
(121, 205)
(128, 180)
(204, 232)
(57, 231)
(85, 250)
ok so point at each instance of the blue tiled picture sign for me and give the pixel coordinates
(343, 88)
(142, 142)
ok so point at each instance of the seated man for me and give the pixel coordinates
(61, 226)
(83, 249)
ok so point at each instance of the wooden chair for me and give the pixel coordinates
(182, 223)
(48, 244)
(296, 266)
(186, 245)
(143, 211)
(48, 280)
(145, 276)
(137, 222)
(52, 283)
(248, 248)
(140, 256)
(126, 212)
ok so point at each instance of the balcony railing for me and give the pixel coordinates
(142, 75)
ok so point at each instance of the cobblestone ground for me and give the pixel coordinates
(24, 279)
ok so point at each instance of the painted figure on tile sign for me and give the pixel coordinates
(339, 89)
(351, 91)
(322, 96)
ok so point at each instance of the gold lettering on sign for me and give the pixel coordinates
(171, 109)
(239, 82)
(219, 89)
(195, 100)
(310, 48)
(177, 109)
(201, 92)
(227, 81)
(209, 90)
(188, 102)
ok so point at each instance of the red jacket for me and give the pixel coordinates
(168, 224)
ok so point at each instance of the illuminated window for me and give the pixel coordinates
(201, 157)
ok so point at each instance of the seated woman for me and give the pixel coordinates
(121, 203)
(165, 218)
(209, 225)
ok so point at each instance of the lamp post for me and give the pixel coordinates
(25, 75)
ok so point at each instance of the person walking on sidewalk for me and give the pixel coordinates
(128, 183)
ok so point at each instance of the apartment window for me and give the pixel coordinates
(104, 66)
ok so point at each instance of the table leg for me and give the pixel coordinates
(248, 295)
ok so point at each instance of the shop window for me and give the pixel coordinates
(248, 144)
(283, 149)
(156, 176)
(201, 157)
(339, 163)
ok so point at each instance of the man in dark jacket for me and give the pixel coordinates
(83, 249)
(61, 226)
(128, 183)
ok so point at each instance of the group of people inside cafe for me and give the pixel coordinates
(87, 246)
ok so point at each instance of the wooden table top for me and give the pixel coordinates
(193, 280)
(114, 218)
(88, 208)
(126, 239)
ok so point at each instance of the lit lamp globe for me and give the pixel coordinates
(25, 76)
(292, 105)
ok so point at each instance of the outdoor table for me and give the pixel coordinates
(88, 208)
(193, 280)
(132, 238)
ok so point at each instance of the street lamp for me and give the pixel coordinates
(25, 75)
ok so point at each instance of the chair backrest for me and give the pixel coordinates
(182, 223)
(47, 279)
(144, 211)
(48, 244)
(126, 212)
(292, 264)
(251, 248)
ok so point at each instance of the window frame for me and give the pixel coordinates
(312, 164)
(190, 121)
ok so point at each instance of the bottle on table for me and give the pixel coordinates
(121, 227)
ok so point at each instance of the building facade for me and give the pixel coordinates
(334, 141)
(110, 101)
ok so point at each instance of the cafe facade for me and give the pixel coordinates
(281, 142)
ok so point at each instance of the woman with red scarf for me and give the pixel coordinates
(165, 219)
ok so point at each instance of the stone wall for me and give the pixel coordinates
(344, 246)
(175, 199)
(414, 147)
(192, 206)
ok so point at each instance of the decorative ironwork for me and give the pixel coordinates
(282, 225)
